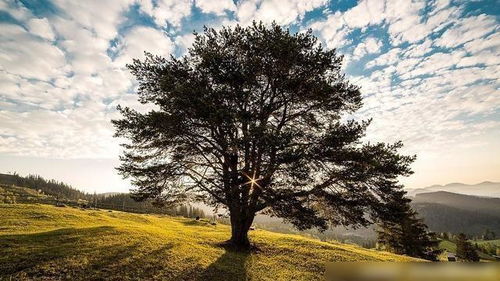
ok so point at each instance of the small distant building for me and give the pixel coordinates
(452, 257)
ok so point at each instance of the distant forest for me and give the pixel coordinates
(123, 201)
(63, 193)
(56, 189)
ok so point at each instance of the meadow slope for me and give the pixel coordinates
(52, 243)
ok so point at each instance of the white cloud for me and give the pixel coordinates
(491, 42)
(15, 9)
(99, 17)
(142, 39)
(19, 57)
(467, 30)
(439, 18)
(333, 30)
(390, 57)
(167, 11)
(419, 49)
(85, 50)
(435, 90)
(282, 11)
(403, 20)
(367, 12)
(484, 58)
(42, 28)
(185, 41)
(79, 133)
(369, 46)
(433, 63)
(217, 7)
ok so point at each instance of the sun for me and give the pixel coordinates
(252, 181)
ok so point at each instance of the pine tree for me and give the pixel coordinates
(407, 234)
(465, 249)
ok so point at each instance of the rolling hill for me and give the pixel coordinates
(16, 194)
(482, 205)
(485, 189)
(42, 241)
(450, 212)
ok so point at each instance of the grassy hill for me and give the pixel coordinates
(72, 244)
(51, 187)
(451, 247)
(494, 242)
(16, 194)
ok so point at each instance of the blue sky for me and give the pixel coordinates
(429, 72)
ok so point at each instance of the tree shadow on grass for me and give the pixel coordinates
(99, 253)
(23, 251)
(196, 223)
(232, 265)
(86, 252)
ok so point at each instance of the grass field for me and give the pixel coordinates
(53, 243)
(493, 242)
(449, 246)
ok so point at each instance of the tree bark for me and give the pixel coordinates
(240, 224)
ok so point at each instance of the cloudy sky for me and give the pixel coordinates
(429, 72)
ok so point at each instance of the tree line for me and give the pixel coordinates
(60, 192)
(50, 187)
(124, 202)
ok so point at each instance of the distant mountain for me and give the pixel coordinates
(451, 212)
(484, 205)
(485, 189)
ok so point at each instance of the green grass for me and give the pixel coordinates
(493, 242)
(13, 194)
(448, 246)
(53, 243)
(452, 247)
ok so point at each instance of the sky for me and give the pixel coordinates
(429, 73)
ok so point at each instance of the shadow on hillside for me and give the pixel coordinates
(230, 266)
(195, 222)
(38, 253)
(102, 253)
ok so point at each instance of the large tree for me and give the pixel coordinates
(257, 119)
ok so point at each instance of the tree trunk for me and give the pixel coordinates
(240, 225)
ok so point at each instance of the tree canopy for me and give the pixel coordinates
(257, 119)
